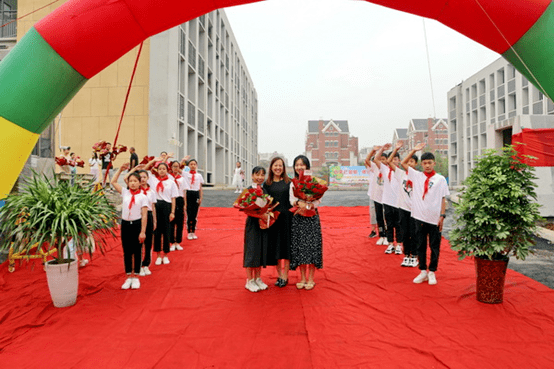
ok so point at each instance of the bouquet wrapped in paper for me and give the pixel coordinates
(79, 162)
(119, 149)
(99, 146)
(147, 159)
(254, 203)
(61, 161)
(309, 189)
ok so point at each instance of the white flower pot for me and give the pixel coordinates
(63, 282)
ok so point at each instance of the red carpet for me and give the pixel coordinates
(195, 313)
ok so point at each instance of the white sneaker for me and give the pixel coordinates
(189, 236)
(194, 236)
(389, 249)
(142, 273)
(147, 271)
(127, 284)
(261, 284)
(422, 277)
(158, 261)
(166, 260)
(172, 247)
(432, 278)
(414, 262)
(251, 286)
(398, 250)
(178, 247)
(405, 262)
(385, 241)
(380, 241)
(135, 284)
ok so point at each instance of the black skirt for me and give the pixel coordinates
(256, 246)
(279, 232)
(306, 242)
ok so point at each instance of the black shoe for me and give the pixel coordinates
(284, 282)
(372, 234)
(278, 283)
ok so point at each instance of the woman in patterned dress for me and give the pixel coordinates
(306, 239)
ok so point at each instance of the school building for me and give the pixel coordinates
(485, 110)
(192, 95)
(329, 142)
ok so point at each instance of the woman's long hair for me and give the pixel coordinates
(284, 176)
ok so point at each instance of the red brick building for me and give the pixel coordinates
(401, 135)
(328, 142)
(434, 132)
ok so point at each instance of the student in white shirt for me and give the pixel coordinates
(377, 196)
(134, 209)
(176, 226)
(194, 194)
(405, 234)
(390, 199)
(372, 214)
(428, 209)
(94, 163)
(166, 192)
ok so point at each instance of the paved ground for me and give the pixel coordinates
(538, 266)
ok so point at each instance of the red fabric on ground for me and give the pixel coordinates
(364, 311)
(537, 143)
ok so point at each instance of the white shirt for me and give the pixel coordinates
(404, 192)
(390, 187)
(378, 183)
(427, 210)
(94, 163)
(293, 199)
(135, 213)
(180, 185)
(151, 197)
(198, 180)
(371, 178)
(170, 188)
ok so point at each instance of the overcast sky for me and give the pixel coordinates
(347, 60)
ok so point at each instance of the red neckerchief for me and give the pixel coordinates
(193, 172)
(390, 173)
(160, 185)
(176, 182)
(133, 193)
(428, 175)
(145, 189)
(409, 184)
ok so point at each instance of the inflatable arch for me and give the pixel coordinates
(60, 53)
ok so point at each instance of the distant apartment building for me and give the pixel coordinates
(433, 132)
(485, 110)
(328, 142)
(400, 135)
(8, 26)
(192, 95)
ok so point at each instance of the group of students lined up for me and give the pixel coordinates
(407, 207)
(153, 208)
(293, 241)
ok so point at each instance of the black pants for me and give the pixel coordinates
(380, 219)
(148, 240)
(391, 218)
(192, 210)
(423, 231)
(132, 248)
(406, 234)
(176, 226)
(163, 209)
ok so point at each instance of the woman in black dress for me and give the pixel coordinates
(277, 185)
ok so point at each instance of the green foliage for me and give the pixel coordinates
(496, 214)
(50, 212)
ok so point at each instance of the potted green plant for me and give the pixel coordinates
(54, 214)
(495, 218)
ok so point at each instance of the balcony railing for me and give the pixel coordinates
(8, 26)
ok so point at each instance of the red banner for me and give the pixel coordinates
(538, 143)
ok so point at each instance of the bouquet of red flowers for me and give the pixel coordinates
(61, 161)
(309, 189)
(99, 146)
(79, 162)
(147, 159)
(254, 203)
(119, 149)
